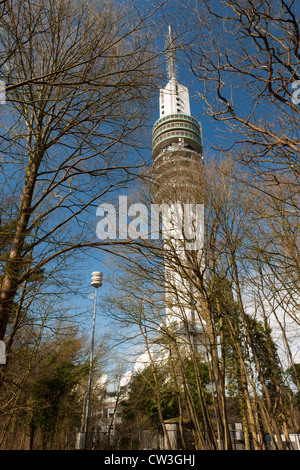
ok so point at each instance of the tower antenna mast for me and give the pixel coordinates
(171, 56)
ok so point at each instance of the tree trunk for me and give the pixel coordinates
(10, 282)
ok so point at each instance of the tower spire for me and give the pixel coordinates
(171, 55)
(174, 97)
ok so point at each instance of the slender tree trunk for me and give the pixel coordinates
(257, 364)
(32, 430)
(219, 383)
(10, 281)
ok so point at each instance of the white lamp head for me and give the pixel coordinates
(97, 278)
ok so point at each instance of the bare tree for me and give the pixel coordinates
(76, 94)
(247, 69)
(237, 342)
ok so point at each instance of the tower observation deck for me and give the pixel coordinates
(176, 142)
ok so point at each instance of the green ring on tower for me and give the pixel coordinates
(173, 127)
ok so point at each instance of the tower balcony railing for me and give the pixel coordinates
(171, 125)
(172, 117)
(168, 137)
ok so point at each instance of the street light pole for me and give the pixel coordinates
(81, 444)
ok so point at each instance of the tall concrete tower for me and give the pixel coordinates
(178, 183)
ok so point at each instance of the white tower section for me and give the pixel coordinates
(173, 99)
(178, 188)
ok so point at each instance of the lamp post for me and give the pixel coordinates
(81, 443)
